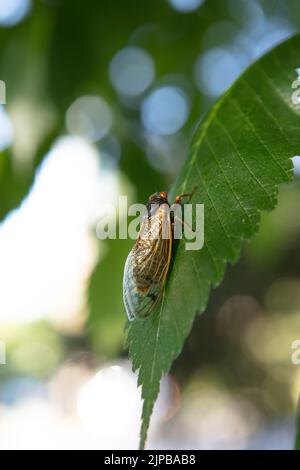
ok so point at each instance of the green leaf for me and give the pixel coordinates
(240, 154)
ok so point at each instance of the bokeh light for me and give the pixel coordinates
(236, 314)
(7, 130)
(296, 162)
(108, 403)
(217, 69)
(274, 31)
(219, 33)
(166, 153)
(89, 117)
(186, 5)
(110, 151)
(165, 110)
(132, 71)
(249, 14)
(215, 419)
(13, 11)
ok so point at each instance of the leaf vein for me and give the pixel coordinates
(239, 154)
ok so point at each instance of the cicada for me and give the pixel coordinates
(148, 262)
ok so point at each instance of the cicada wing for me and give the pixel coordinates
(147, 265)
(138, 302)
(129, 287)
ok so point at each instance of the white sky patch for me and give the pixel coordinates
(296, 162)
(103, 410)
(110, 400)
(47, 250)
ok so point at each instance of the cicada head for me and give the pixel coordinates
(154, 201)
(159, 198)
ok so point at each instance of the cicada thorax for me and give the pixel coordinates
(148, 262)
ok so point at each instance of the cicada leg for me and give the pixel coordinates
(178, 200)
(184, 224)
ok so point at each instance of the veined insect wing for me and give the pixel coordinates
(148, 262)
(138, 303)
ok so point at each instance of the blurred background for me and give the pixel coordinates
(102, 99)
